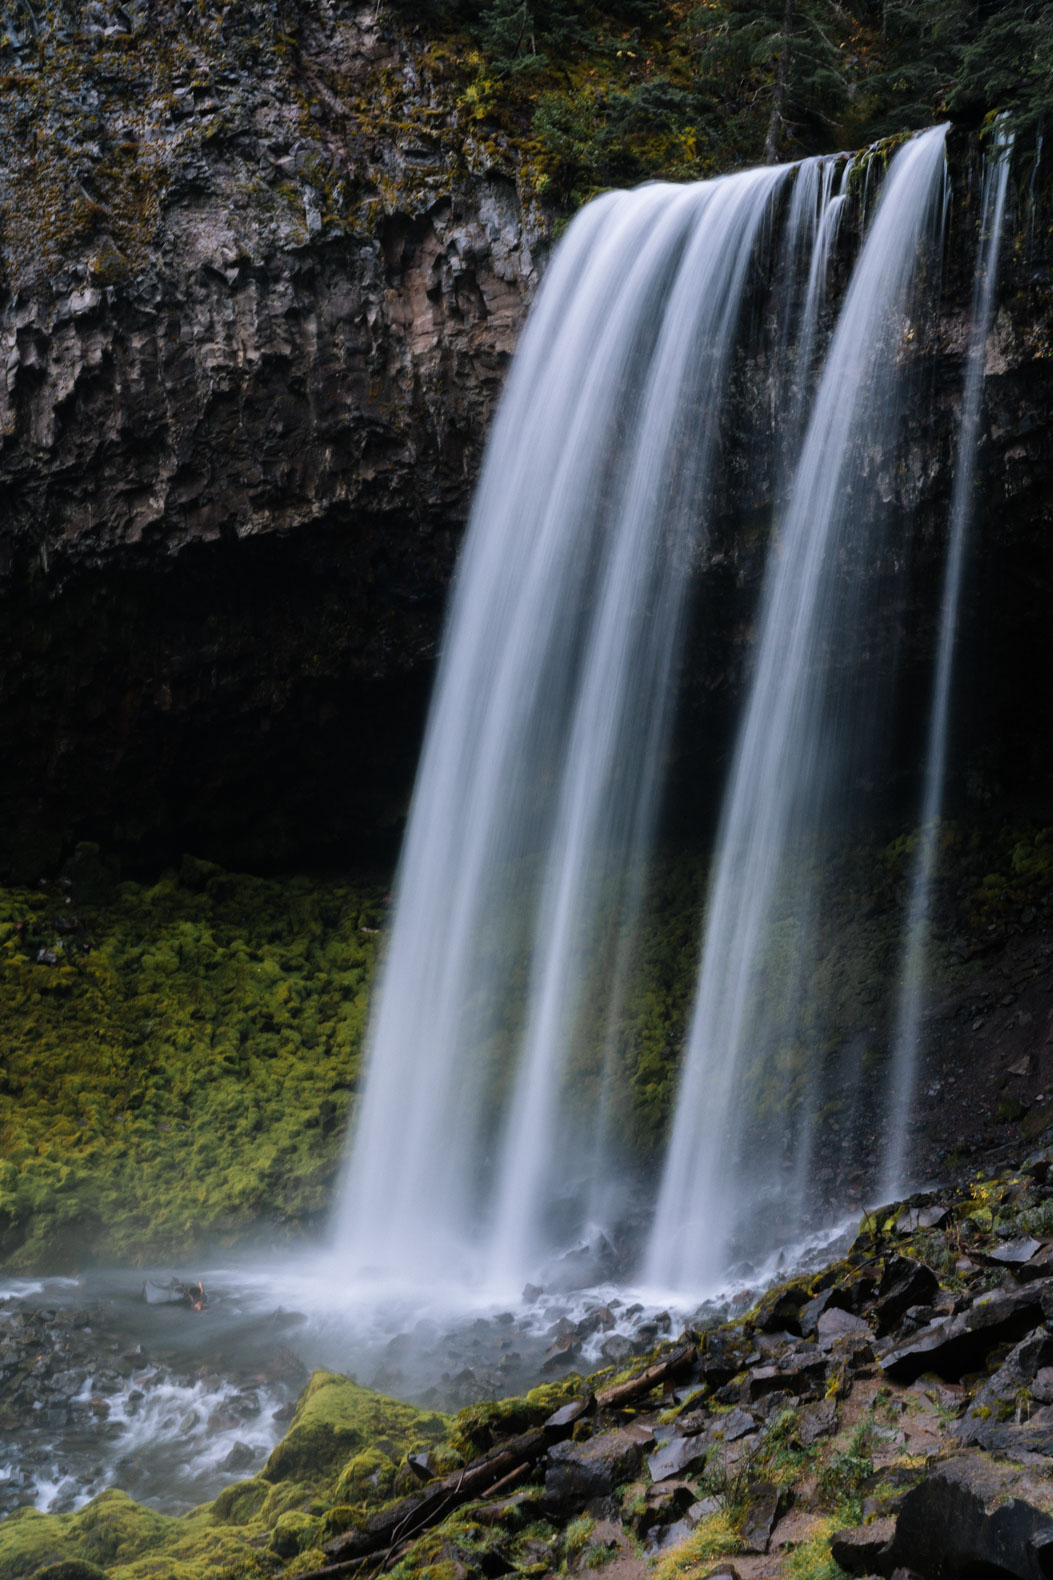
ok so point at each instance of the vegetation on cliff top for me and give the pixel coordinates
(615, 92)
(317, 122)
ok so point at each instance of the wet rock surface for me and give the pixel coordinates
(244, 404)
(737, 1446)
(85, 1404)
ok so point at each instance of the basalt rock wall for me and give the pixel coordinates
(251, 348)
(240, 419)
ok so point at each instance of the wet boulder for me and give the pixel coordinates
(578, 1472)
(973, 1517)
(954, 1345)
(860, 1549)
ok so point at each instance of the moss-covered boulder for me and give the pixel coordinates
(111, 1530)
(336, 1419)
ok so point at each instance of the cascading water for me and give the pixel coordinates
(483, 1140)
(541, 772)
(912, 971)
(795, 748)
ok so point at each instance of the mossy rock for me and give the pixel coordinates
(477, 1428)
(336, 1419)
(110, 1530)
(366, 1477)
(240, 1503)
(294, 1532)
(72, 1569)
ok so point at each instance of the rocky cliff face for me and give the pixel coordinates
(262, 279)
(263, 269)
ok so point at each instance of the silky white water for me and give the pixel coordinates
(482, 1140)
(912, 969)
(488, 1140)
(796, 747)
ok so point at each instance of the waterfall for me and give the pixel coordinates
(480, 1137)
(485, 1138)
(912, 971)
(798, 745)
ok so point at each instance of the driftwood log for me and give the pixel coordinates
(391, 1529)
(635, 1387)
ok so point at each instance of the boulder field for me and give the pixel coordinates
(890, 1415)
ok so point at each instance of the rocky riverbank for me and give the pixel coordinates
(889, 1414)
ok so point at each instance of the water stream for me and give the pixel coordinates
(486, 1142)
(520, 886)
(926, 855)
(799, 748)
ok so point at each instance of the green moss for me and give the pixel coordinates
(476, 1428)
(109, 1531)
(240, 1503)
(293, 1532)
(336, 1420)
(187, 1061)
(367, 1476)
(717, 1536)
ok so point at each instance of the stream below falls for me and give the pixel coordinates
(100, 1388)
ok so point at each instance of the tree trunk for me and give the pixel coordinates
(782, 83)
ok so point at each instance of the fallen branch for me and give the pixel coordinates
(390, 1530)
(637, 1386)
(418, 1512)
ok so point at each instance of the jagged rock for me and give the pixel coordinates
(904, 1283)
(678, 1455)
(779, 1310)
(729, 1428)
(1027, 1442)
(836, 1324)
(973, 1517)
(578, 1472)
(1010, 1382)
(766, 1502)
(798, 1371)
(616, 1348)
(567, 1414)
(662, 1505)
(933, 1217)
(1040, 1265)
(859, 1550)
(817, 1421)
(953, 1345)
(241, 1457)
(808, 1319)
(1013, 1252)
(770, 1405)
(723, 1356)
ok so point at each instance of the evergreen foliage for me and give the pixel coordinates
(607, 94)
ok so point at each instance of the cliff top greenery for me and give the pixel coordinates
(613, 93)
(306, 121)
